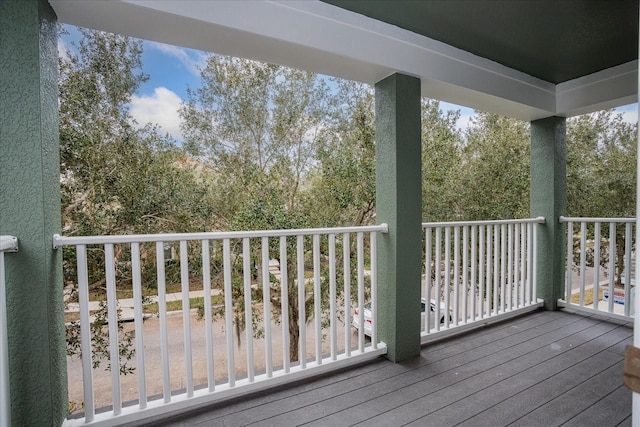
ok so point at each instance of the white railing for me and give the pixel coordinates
(7, 244)
(237, 286)
(600, 265)
(478, 271)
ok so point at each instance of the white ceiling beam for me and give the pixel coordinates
(605, 89)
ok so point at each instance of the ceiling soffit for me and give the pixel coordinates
(323, 38)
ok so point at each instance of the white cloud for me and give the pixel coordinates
(466, 114)
(629, 113)
(464, 122)
(630, 116)
(191, 59)
(63, 50)
(160, 108)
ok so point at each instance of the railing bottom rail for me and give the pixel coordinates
(589, 311)
(158, 409)
(479, 323)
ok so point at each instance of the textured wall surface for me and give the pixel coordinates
(399, 204)
(549, 199)
(30, 210)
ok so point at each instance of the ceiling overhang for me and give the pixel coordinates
(323, 38)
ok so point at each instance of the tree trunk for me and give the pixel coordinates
(294, 314)
(619, 258)
(294, 331)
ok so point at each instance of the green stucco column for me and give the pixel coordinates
(30, 210)
(399, 204)
(549, 199)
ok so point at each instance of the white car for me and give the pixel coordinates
(355, 322)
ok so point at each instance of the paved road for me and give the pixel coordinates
(153, 365)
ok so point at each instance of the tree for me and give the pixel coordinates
(601, 165)
(258, 126)
(494, 175)
(343, 186)
(441, 162)
(601, 173)
(116, 177)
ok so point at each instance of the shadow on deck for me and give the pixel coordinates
(542, 369)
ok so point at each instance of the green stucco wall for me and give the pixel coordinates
(30, 210)
(399, 204)
(549, 199)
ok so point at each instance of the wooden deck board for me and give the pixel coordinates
(457, 391)
(545, 368)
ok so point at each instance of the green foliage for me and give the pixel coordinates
(117, 177)
(258, 127)
(601, 166)
(494, 176)
(441, 162)
(601, 175)
(100, 341)
(342, 189)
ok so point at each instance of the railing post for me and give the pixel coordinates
(30, 209)
(399, 203)
(549, 199)
(7, 244)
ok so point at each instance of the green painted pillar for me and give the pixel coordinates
(399, 204)
(30, 210)
(549, 199)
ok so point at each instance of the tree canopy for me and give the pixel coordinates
(117, 177)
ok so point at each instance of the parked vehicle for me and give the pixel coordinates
(355, 322)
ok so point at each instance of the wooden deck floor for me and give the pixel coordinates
(542, 369)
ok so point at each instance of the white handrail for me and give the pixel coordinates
(598, 220)
(59, 241)
(7, 244)
(538, 220)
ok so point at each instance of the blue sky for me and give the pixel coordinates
(173, 69)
